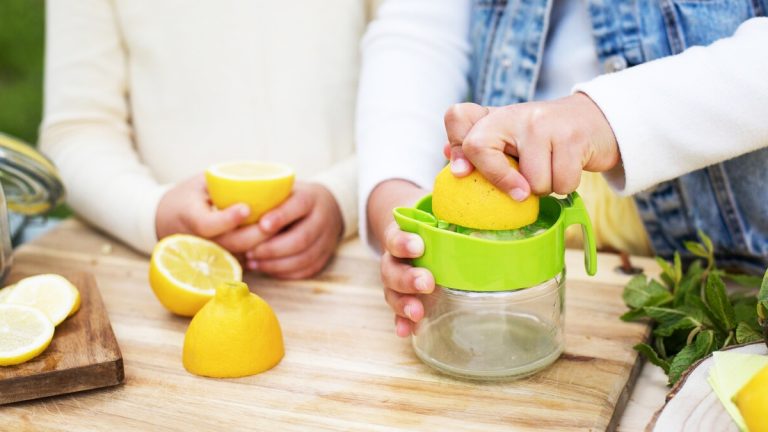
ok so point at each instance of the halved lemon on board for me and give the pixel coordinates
(261, 185)
(25, 332)
(185, 270)
(52, 294)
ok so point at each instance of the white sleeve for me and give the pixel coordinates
(681, 113)
(415, 65)
(86, 131)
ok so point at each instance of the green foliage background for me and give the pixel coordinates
(21, 67)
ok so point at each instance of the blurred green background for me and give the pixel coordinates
(21, 67)
(22, 46)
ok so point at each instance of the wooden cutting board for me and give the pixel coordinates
(344, 368)
(83, 354)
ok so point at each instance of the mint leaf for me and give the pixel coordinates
(671, 320)
(746, 333)
(696, 249)
(685, 323)
(748, 281)
(707, 242)
(634, 315)
(701, 346)
(698, 307)
(639, 293)
(718, 302)
(762, 295)
(651, 355)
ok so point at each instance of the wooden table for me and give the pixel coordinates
(344, 368)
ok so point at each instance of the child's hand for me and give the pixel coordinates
(402, 282)
(553, 141)
(186, 209)
(303, 234)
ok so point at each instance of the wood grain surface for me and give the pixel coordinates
(344, 367)
(82, 356)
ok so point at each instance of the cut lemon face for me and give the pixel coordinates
(261, 185)
(52, 294)
(25, 332)
(4, 292)
(185, 270)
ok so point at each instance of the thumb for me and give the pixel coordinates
(210, 223)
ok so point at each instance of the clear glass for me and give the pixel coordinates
(492, 335)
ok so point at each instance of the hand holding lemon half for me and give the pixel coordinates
(261, 185)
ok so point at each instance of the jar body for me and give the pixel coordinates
(492, 335)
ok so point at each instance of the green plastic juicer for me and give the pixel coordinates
(497, 312)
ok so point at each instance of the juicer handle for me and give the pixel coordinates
(409, 219)
(576, 213)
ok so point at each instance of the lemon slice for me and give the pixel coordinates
(4, 292)
(185, 270)
(25, 332)
(261, 185)
(54, 295)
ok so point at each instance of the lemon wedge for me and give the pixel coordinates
(261, 185)
(52, 294)
(185, 270)
(25, 332)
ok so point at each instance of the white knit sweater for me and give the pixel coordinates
(140, 94)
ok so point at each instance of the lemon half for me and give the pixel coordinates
(25, 332)
(185, 270)
(261, 185)
(235, 334)
(474, 202)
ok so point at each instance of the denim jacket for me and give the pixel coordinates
(728, 201)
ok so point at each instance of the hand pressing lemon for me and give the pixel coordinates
(29, 311)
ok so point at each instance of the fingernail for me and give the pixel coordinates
(266, 224)
(421, 284)
(244, 210)
(517, 194)
(459, 166)
(249, 255)
(415, 246)
(408, 311)
(252, 265)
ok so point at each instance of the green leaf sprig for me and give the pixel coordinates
(692, 313)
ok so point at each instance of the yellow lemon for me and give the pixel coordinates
(261, 185)
(52, 294)
(473, 202)
(184, 271)
(235, 334)
(25, 332)
(752, 401)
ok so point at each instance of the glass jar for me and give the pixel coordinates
(492, 335)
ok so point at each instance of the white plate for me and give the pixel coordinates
(692, 405)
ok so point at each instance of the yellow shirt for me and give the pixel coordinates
(615, 219)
